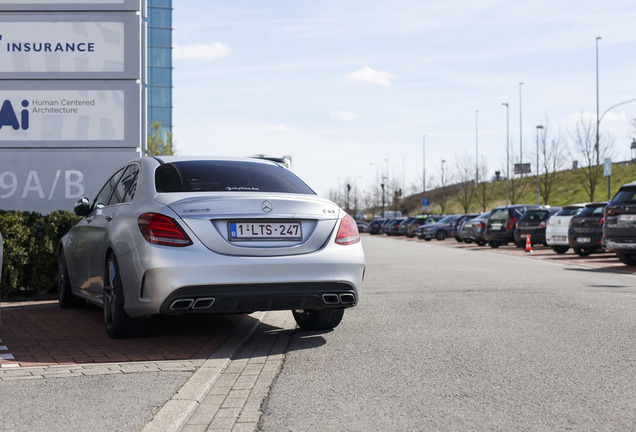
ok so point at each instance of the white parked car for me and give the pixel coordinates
(556, 230)
(176, 235)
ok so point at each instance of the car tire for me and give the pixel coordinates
(118, 323)
(582, 252)
(441, 235)
(560, 249)
(468, 241)
(480, 242)
(627, 259)
(65, 296)
(493, 244)
(324, 319)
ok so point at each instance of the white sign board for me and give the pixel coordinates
(69, 114)
(41, 45)
(69, 5)
(43, 181)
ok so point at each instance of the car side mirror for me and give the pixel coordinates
(82, 207)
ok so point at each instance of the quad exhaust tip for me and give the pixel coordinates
(194, 304)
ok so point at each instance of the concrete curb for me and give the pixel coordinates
(176, 412)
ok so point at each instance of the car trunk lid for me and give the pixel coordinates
(249, 224)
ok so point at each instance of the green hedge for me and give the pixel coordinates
(29, 261)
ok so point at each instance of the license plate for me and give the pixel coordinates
(560, 238)
(627, 217)
(265, 230)
(496, 227)
(583, 239)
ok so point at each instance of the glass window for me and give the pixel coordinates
(160, 3)
(571, 211)
(160, 76)
(227, 176)
(159, 96)
(159, 17)
(126, 187)
(104, 195)
(159, 56)
(499, 214)
(161, 115)
(626, 195)
(160, 37)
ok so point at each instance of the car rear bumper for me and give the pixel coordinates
(615, 245)
(153, 277)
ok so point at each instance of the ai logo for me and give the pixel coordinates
(8, 116)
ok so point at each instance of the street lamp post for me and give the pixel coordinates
(424, 164)
(520, 133)
(507, 152)
(537, 167)
(598, 119)
(377, 185)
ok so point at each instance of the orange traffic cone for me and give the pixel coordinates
(528, 244)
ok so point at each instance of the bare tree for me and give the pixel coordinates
(465, 175)
(551, 159)
(583, 144)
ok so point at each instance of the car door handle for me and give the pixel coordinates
(108, 217)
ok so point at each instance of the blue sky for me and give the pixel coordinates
(349, 88)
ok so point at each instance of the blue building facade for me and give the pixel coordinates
(159, 74)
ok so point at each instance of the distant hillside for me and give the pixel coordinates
(566, 189)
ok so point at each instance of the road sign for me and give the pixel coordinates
(607, 167)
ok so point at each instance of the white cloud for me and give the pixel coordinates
(209, 51)
(345, 115)
(368, 75)
(276, 128)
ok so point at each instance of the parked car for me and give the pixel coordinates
(532, 223)
(420, 220)
(456, 226)
(556, 230)
(438, 230)
(175, 235)
(392, 228)
(363, 226)
(619, 230)
(404, 226)
(502, 223)
(586, 229)
(473, 229)
(375, 226)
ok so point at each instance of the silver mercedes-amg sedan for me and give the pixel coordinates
(176, 235)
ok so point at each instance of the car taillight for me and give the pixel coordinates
(162, 230)
(601, 222)
(481, 225)
(511, 223)
(347, 232)
(610, 212)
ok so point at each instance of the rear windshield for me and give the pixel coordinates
(536, 215)
(627, 195)
(227, 176)
(499, 214)
(588, 211)
(569, 211)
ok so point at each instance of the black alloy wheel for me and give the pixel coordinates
(582, 252)
(118, 323)
(441, 235)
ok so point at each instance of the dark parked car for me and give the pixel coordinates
(456, 226)
(375, 226)
(502, 223)
(420, 220)
(392, 228)
(363, 226)
(473, 229)
(438, 230)
(619, 230)
(532, 223)
(586, 229)
(404, 226)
